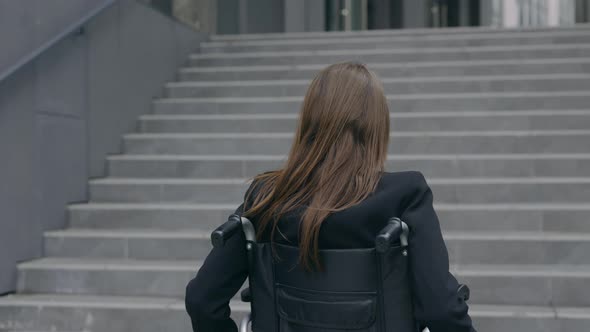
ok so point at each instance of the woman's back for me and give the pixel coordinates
(402, 194)
(333, 193)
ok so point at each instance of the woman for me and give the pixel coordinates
(333, 193)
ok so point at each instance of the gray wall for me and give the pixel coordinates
(61, 114)
(37, 21)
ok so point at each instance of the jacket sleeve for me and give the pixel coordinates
(219, 278)
(436, 303)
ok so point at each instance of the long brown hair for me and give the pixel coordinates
(336, 159)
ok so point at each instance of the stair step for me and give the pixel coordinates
(95, 313)
(453, 217)
(551, 82)
(488, 101)
(464, 247)
(414, 33)
(410, 142)
(447, 190)
(540, 285)
(133, 244)
(106, 276)
(392, 55)
(359, 42)
(450, 165)
(419, 85)
(464, 68)
(123, 314)
(400, 122)
(114, 216)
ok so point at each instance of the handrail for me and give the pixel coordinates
(48, 44)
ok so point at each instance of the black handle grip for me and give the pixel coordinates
(388, 235)
(246, 295)
(226, 230)
(464, 292)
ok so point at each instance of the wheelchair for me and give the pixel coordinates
(362, 290)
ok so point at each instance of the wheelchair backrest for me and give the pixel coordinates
(357, 290)
(363, 290)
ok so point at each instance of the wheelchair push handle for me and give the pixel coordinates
(464, 292)
(395, 230)
(222, 233)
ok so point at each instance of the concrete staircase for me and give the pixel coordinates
(498, 121)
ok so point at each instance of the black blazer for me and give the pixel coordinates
(400, 194)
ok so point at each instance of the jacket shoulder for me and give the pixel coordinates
(410, 180)
(407, 185)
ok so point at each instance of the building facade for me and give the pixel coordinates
(267, 16)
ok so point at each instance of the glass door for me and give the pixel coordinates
(454, 13)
